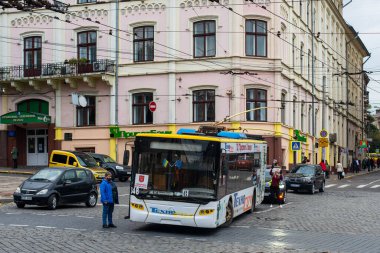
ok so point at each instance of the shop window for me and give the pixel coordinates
(203, 105)
(86, 115)
(140, 108)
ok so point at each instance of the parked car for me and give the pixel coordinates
(307, 177)
(53, 186)
(117, 170)
(281, 197)
(64, 158)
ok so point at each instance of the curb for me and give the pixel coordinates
(356, 175)
(16, 172)
(6, 200)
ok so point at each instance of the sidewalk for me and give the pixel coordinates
(334, 177)
(22, 170)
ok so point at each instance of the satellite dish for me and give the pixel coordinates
(82, 101)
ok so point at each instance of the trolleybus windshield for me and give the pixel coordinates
(177, 169)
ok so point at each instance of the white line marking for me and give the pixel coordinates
(76, 229)
(237, 226)
(86, 217)
(330, 185)
(374, 181)
(122, 205)
(123, 195)
(375, 186)
(44, 227)
(41, 214)
(63, 215)
(12, 213)
(344, 186)
(270, 209)
(18, 225)
(362, 186)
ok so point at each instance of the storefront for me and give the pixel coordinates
(30, 131)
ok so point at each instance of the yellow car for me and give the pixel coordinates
(63, 158)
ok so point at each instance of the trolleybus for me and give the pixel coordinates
(195, 179)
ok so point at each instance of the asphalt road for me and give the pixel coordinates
(343, 219)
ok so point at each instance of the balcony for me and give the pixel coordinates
(55, 73)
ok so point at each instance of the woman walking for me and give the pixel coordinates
(339, 169)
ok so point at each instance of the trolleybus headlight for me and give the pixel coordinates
(137, 206)
(206, 211)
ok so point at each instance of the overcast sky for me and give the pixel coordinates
(364, 16)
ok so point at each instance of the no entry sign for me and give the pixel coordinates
(152, 106)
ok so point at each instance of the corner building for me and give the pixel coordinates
(197, 60)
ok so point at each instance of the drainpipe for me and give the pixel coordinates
(117, 73)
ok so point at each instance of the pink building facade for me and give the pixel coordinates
(198, 61)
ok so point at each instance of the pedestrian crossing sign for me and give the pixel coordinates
(296, 145)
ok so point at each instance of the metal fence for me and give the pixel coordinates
(55, 69)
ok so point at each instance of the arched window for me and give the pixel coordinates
(256, 38)
(34, 106)
(203, 105)
(256, 98)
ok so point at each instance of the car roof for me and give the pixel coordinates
(95, 154)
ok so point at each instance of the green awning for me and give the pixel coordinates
(24, 117)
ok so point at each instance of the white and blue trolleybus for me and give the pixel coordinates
(196, 179)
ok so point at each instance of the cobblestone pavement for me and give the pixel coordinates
(335, 221)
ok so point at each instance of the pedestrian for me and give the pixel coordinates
(109, 196)
(364, 163)
(304, 160)
(356, 165)
(378, 162)
(372, 164)
(339, 170)
(275, 185)
(327, 169)
(323, 166)
(14, 154)
(274, 163)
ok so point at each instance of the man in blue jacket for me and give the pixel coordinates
(107, 200)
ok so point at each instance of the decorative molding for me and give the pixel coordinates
(143, 7)
(17, 85)
(54, 83)
(36, 84)
(32, 20)
(91, 81)
(108, 79)
(72, 82)
(87, 13)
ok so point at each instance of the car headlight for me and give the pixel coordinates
(307, 179)
(282, 186)
(18, 190)
(119, 167)
(44, 191)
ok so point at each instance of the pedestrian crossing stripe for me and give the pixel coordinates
(358, 187)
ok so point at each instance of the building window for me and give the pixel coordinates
(87, 46)
(302, 116)
(140, 108)
(301, 58)
(256, 38)
(283, 108)
(33, 106)
(143, 43)
(86, 1)
(294, 111)
(32, 56)
(204, 38)
(294, 50)
(86, 115)
(203, 105)
(256, 98)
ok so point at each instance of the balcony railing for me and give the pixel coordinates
(55, 69)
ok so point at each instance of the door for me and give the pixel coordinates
(68, 187)
(84, 184)
(37, 153)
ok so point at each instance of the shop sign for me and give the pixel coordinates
(116, 133)
(299, 137)
(24, 117)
